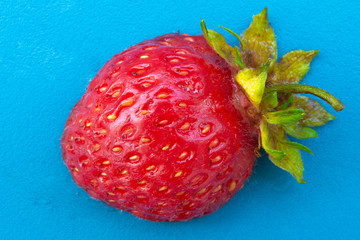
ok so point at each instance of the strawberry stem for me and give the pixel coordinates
(301, 88)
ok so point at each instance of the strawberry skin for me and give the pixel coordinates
(162, 132)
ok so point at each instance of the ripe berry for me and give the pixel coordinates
(169, 129)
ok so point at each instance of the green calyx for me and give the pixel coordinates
(274, 89)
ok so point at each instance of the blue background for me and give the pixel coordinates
(49, 50)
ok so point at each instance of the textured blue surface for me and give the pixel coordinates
(49, 50)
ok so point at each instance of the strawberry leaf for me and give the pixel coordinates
(287, 103)
(292, 67)
(282, 153)
(315, 114)
(267, 142)
(272, 88)
(253, 82)
(232, 33)
(219, 44)
(300, 132)
(269, 101)
(258, 42)
(238, 58)
(295, 145)
(291, 162)
(284, 116)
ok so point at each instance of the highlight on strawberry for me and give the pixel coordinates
(169, 129)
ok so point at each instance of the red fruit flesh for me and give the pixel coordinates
(162, 131)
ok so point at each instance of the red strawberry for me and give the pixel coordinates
(168, 129)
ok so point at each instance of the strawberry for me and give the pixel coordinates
(169, 129)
